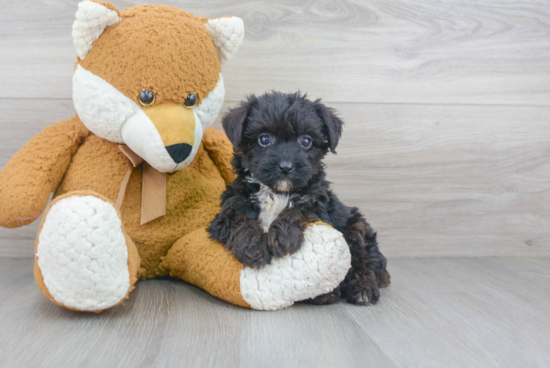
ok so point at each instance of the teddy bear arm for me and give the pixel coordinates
(220, 150)
(34, 172)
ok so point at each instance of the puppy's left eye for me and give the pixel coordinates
(305, 141)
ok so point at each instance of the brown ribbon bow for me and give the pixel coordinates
(153, 187)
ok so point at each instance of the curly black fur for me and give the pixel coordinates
(286, 119)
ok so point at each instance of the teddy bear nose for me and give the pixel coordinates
(286, 167)
(179, 152)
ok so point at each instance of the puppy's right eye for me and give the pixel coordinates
(305, 141)
(264, 140)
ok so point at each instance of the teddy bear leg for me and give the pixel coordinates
(203, 262)
(83, 259)
(317, 268)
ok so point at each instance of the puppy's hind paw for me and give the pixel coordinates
(328, 298)
(361, 290)
(369, 296)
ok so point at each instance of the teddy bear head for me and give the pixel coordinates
(150, 77)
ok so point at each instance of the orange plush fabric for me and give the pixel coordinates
(192, 195)
(30, 177)
(215, 143)
(204, 263)
(178, 61)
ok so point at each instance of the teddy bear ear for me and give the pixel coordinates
(90, 21)
(228, 34)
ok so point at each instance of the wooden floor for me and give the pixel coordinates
(461, 312)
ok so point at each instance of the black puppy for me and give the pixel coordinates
(280, 140)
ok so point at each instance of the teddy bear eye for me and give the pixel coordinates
(190, 101)
(264, 140)
(305, 141)
(147, 97)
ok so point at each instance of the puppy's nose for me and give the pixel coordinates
(286, 167)
(179, 152)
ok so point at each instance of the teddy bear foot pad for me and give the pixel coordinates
(317, 268)
(82, 254)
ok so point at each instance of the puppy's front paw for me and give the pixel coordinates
(284, 239)
(219, 229)
(253, 255)
(247, 243)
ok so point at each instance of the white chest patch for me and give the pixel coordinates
(271, 204)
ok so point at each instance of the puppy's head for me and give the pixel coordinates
(282, 138)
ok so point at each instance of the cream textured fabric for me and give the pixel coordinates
(82, 254)
(317, 268)
(91, 20)
(210, 106)
(100, 106)
(228, 34)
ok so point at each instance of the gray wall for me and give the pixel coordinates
(447, 105)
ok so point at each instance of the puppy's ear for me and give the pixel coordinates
(332, 124)
(233, 124)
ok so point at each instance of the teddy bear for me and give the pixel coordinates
(137, 174)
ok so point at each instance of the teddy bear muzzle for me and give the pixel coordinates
(166, 135)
